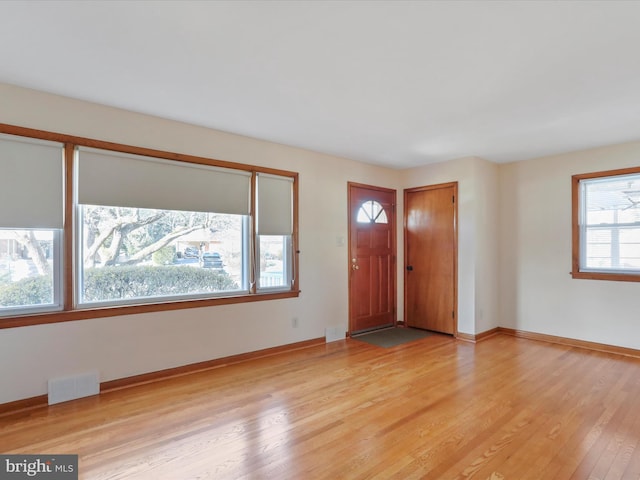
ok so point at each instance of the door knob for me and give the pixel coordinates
(355, 267)
(409, 268)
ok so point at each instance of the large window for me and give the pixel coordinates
(129, 255)
(607, 225)
(31, 220)
(90, 229)
(154, 229)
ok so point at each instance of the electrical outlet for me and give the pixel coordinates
(294, 322)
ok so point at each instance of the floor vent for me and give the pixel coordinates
(63, 389)
(331, 334)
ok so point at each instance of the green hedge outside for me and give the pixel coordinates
(28, 291)
(123, 282)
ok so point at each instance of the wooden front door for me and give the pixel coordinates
(430, 257)
(372, 253)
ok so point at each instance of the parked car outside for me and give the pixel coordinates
(211, 260)
(191, 252)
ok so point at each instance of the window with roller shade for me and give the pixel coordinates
(273, 231)
(93, 229)
(154, 229)
(607, 225)
(31, 225)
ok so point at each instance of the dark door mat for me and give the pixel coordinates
(391, 337)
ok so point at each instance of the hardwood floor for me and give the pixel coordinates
(505, 408)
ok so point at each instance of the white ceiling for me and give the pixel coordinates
(387, 82)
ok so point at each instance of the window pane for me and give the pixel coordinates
(612, 193)
(596, 217)
(630, 248)
(130, 254)
(371, 212)
(275, 268)
(382, 217)
(29, 263)
(629, 215)
(611, 208)
(630, 235)
(599, 250)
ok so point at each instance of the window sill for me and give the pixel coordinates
(87, 314)
(615, 277)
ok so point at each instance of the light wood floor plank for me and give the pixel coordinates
(504, 408)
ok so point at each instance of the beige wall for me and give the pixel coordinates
(487, 204)
(122, 346)
(537, 293)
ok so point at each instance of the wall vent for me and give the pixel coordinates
(331, 334)
(63, 389)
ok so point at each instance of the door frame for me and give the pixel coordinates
(455, 247)
(394, 248)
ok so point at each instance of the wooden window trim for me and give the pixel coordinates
(575, 228)
(69, 313)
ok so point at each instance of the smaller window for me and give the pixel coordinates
(31, 225)
(29, 271)
(371, 212)
(607, 225)
(275, 267)
(274, 232)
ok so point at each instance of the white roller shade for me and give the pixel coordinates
(117, 179)
(31, 183)
(275, 205)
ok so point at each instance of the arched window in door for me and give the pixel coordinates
(371, 212)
